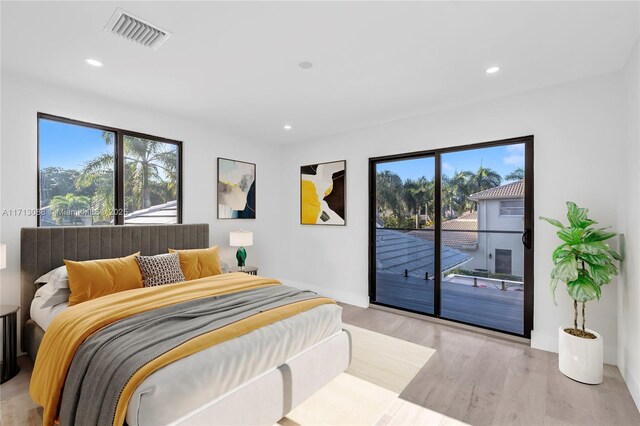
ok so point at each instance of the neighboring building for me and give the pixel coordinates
(154, 215)
(498, 209)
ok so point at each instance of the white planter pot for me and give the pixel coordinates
(581, 359)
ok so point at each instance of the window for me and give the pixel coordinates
(512, 208)
(97, 175)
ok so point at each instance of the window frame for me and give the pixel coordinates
(510, 215)
(118, 151)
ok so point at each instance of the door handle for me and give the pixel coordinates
(526, 238)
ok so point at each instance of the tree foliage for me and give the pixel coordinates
(150, 173)
(410, 203)
(517, 174)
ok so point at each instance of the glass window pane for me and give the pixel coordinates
(483, 218)
(483, 189)
(405, 247)
(150, 181)
(76, 174)
(486, 288)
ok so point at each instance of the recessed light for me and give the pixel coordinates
(305, 65)
(287, 127)
(93, 62)
(492, 70)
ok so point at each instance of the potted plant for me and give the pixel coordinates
(584, 262)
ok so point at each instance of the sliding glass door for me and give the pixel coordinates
(404, 236)
(451, 234)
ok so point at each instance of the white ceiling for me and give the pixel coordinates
(235, 64)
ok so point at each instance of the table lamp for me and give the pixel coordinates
(3, 255)
(241, 239)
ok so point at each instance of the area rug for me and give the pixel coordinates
(366, 394)
(381, 367)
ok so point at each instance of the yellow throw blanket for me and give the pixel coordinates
(75, 324)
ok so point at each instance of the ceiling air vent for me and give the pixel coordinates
(132, 28)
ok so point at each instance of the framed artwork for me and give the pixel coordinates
(323, 193)
(236, 189)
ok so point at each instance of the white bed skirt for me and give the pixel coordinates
(270, 396)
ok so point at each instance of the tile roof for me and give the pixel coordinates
(397, 251)
(510, 190)
(460, 233)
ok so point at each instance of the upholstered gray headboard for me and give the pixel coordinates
(44, 249)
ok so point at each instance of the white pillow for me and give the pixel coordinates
(224, 266)
(52, 296)
(56, 287)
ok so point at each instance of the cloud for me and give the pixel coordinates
(515, 160)
(517, 155)
(448, 167)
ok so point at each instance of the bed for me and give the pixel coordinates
(256, 378)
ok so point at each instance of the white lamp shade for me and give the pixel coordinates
(240, 238)
(3, 256)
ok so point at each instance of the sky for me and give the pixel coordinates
(69, 146)
(502, 159)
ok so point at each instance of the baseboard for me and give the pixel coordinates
(341, 296)
(633, 386)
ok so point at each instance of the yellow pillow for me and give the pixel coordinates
(199, 263)
(95, 278)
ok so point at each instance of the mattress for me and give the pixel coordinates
(183, 386)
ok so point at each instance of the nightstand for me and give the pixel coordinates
(9, 315)
(251, 270)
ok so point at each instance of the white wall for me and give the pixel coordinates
(629, 288)
(571, 124)
(579, 147)
(22, 99)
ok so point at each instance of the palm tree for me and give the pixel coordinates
(388, 189)
(447, 195)
(424, 195)
(68, 206)
(517, 174)
(485, 178)
(412, 197)
(151, 168)
(455, 192)
(150, 174)
(461, 189)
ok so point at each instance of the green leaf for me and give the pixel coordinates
(595, 235)
(578, 216)
(616, 255)
(583, 289)
(571, 235)
(592, 248)
(561, 252)
(594, 259)
(553, 222)
(566, 269)
(601, 275)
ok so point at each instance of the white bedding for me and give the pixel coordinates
(185, 385)
(44, 316)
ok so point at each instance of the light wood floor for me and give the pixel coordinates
(482, 380)
(473, 378)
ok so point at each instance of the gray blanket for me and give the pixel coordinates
(106, 361)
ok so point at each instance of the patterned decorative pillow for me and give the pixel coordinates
(160, 269)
